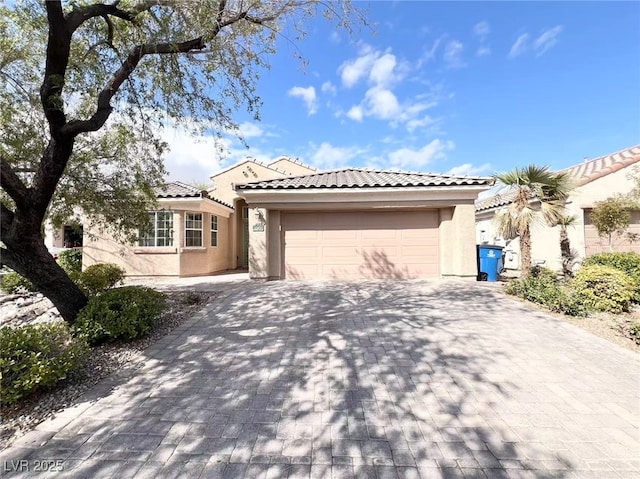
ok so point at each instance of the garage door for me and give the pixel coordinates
(595, 244)
(348, 245)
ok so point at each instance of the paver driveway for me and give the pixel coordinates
(365, 379)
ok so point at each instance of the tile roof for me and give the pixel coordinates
(503, 198)
(365, 178)
(590, 170)
(582, 173)
(176, 189)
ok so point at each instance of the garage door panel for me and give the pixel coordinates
(303, 235)
(337, 235)
(342, 252)
(361, 245)
(304, 252)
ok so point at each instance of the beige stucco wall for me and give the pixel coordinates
(245, 172)
(167, 261)
(545, 240)
(457, 241)
(53, 237)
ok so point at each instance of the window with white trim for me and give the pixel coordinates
(214, 230)
(160, 231)
(193, 230)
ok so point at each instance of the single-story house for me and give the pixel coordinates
(285, 220)
(594, 180)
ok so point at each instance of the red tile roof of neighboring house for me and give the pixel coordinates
(590, 170)
(176, 189)
(582, 173)
(365, 178)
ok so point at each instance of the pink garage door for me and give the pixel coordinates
(348, 245)
(595, 244)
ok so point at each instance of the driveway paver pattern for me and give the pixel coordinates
(369, 379)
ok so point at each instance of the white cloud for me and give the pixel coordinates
(355, 113)
(328, 87)
(382, 103)
(547, 40)
(416, 123)
(407, 158)
(453, 54)
(469, 169)
(327, 156)
(308, 95)
(481, 29)
(382, 70)
(250, 130)
(520, 46)
(352, 71)
(482, 51)
(540, 45)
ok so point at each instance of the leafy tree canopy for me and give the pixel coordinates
(85, 89)
(134, 68)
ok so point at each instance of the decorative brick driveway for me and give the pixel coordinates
(368, 379)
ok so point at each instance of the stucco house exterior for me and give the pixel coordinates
(594, 180)
(285, 220)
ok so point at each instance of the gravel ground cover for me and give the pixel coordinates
(16, 310)
(612, 327)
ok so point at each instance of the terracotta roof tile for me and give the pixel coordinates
(582, 173)
(588, 171)
(365, 178)
(176, 189)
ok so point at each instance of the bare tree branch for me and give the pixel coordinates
(104, 108)
(58, 49)
(12, 184)
(80, 15)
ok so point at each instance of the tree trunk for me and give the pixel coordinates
(525, 250)
(31, 259)
(566, 253)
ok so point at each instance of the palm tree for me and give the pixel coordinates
(568, 255)
(538, 196)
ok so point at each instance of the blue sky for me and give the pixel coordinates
(448, 87)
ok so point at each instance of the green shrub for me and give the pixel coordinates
(191, 298)
(539, 287)
(634, 332)
(628, 262)
(71, 261)
(603, 288)
(121, 313)
(37, 356)
(543, 287)
(98, 278)
(13, 283)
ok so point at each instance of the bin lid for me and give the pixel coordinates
(490, 246)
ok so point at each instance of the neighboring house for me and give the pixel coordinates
(357, 223)
(595, 180)
(284, 220)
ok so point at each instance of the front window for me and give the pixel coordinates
(214, 230)
(160, 231)
(193, 229)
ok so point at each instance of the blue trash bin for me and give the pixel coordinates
(489, 261)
